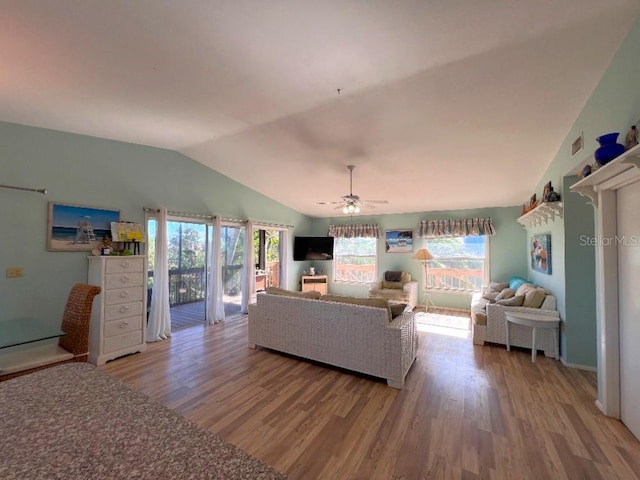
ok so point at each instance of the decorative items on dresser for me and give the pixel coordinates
(118, 321)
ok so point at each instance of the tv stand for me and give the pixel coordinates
(316, 283)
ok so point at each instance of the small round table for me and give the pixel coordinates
(534, 321)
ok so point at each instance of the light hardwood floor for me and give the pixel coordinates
(466, 412)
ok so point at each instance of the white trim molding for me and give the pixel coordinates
(601, 189)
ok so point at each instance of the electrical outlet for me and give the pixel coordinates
(15, 272)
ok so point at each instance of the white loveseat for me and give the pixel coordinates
(359, 337)
(489, 319)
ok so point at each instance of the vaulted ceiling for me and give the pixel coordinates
(440, 104)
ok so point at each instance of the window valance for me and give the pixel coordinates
(457, 227)
(368, 230)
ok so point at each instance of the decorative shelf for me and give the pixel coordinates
(587, 187)
(547, 211)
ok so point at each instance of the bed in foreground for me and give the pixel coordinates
(76, 422)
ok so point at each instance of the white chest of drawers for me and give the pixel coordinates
(119, 316)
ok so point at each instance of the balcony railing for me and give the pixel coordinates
(189, 285)
(459, 279)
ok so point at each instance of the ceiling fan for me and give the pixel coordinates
(351, 203)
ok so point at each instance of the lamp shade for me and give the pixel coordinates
(423, 254)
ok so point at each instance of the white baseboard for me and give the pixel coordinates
(578, 366)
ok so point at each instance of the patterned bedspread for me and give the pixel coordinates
(76, 422)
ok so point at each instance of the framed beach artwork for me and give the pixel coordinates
(76, 228)
(399, 241)
(541, 253)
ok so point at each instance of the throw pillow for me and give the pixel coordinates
(515, 282)
(498, 286)
(397, 309)
(534, 298)
(390, 276)
(511, 302)
(491, 296)
(525, 288)
(505, 293)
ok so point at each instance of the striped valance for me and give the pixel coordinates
(369, 230)
(457, 227)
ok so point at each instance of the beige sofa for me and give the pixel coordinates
(489, 319)
(355, 334)
(396, 287)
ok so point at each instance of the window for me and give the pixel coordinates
(460, 263)
(354, 260)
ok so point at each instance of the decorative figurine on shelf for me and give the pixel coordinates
(548, 195)
(632, 138)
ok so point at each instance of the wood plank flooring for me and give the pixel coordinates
(466, 412)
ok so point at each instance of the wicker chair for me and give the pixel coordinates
(72, 347)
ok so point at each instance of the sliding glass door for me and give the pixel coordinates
(187, 257)
(266, 253)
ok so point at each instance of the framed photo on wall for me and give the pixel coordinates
(399, 241)
(76, 228)
(541, 253)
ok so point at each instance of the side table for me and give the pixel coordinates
(535, 322)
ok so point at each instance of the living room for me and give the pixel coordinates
(102, 171)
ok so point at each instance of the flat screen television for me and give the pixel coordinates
(313, 248)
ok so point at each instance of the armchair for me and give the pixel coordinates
(396, 287)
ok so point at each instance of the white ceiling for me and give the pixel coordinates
(444, 104)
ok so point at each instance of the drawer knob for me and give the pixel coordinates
(124, 278)
(124, 308)
(123, 324)
(125, 264)
(124, 294)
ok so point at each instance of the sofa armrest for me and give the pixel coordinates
(411, 289)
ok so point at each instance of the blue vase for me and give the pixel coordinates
(608, 149)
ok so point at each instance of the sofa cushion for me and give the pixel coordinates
(515, 301)
(505, 293)
(290, 293)
(515, 282)
(389, 294)
(367, 302)
(534, 298)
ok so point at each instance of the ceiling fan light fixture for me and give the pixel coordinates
(351, 208)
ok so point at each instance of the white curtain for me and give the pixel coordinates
(248, 272)
(284, 258)
(159, 325)
(215, 300)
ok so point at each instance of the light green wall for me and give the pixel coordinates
(613, 107)
(77, 169)
(580, 296)
(506, 248)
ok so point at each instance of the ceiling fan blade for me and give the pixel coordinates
(379, 202)
(329, 203)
